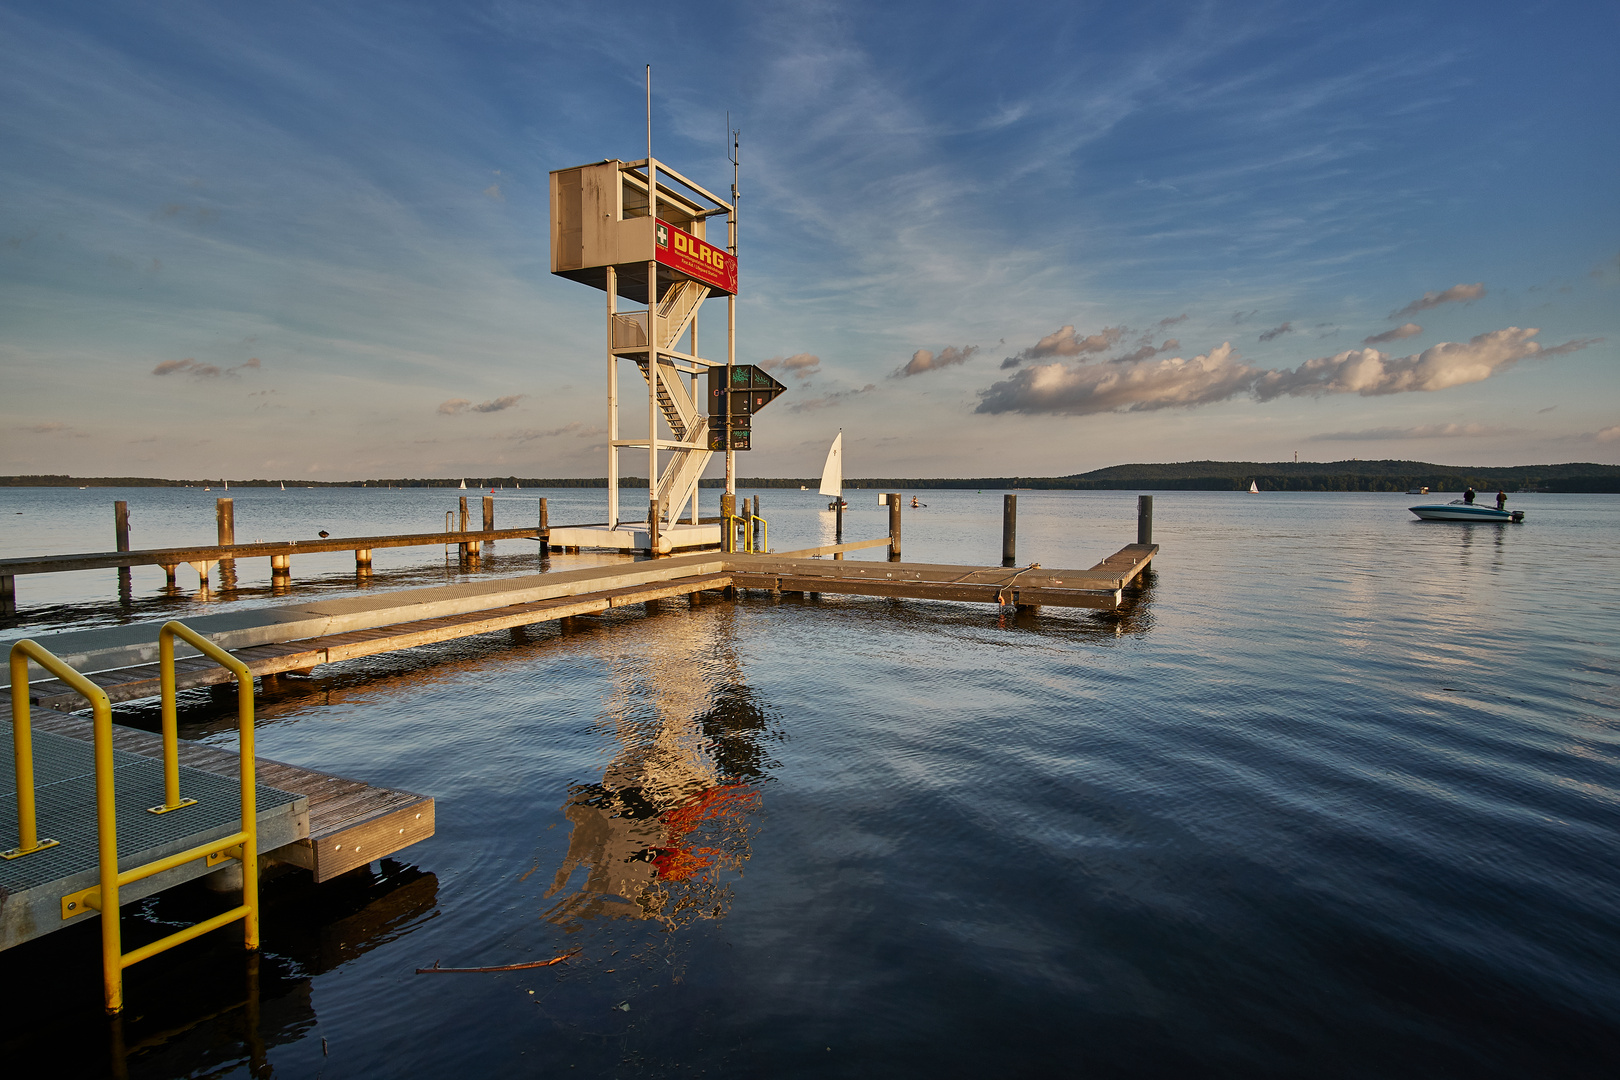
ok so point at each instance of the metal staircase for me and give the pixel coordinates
(679, 478)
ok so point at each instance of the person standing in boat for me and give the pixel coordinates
(1468, 496)
(1501, 500)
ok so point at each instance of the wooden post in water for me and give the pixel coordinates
(544, 530)
(489, 513)
(753, 524)
(652, 527)
(225, 517)
(1144, 519)
(1009, 530)
(894, 526)
(466, 549)
(8, 595)
(121, 538)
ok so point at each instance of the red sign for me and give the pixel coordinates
(683, 251)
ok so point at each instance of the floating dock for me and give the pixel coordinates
(325, 824)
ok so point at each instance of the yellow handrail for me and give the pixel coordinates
(764, 534)
(22, 734)
(242, 845)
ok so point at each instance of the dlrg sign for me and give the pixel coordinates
(680, 250)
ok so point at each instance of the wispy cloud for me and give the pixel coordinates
(1421, 431)
(1146, 350)
(188, 366)
(1405, 330)
(457, 406)
(1277, 331)
(1087, 387)
(574, 428)
(1173, 320)
(1455, 294)
(827, 401)
(922, 360)
(1608, 434)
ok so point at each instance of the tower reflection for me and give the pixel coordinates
(674, 812)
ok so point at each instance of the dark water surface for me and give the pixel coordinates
(1338, 794)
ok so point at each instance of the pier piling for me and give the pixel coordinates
(121, 539)
(894, 526)
(544, 530)
(225, 518)
(489, 513)
(1009, 530)
(1144, 519)
(652, 527)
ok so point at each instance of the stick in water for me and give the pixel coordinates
(437, 970)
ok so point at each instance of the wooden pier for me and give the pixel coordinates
(274, 640)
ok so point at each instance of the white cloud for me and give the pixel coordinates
(1065, 342)
(1089, 387)
(804, 365)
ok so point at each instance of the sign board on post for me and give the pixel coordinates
(680, 250)
(732, 406)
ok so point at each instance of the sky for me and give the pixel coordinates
(981, 239)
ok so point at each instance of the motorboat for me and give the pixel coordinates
(1457, 510)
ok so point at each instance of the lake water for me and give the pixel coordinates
(1337, 794)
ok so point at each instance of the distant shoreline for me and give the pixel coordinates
(1353, 475)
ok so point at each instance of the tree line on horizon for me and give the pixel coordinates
(1352, 475)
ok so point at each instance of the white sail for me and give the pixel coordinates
(284, 485)
(464, 485)
(1254, 488)
(832, 474)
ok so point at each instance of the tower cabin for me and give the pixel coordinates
(616, 226)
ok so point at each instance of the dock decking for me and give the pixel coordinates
(326, 824)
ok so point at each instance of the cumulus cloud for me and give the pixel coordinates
(1371, 373)
(1083, 388)
(1455, 294)
(1405, 330)
(1065, 342)
(829, 400)
(1277, 331)
(1422, 431)
(1078, 389)
(804, 365)
(457, 406)
(922, 360)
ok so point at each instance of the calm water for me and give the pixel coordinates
(1338, 795)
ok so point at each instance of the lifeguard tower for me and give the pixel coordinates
(637, 230)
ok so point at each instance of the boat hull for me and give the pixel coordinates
(1464, 512)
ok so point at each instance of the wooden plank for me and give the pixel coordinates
(833, 549)
(927, 590)
(101, 560)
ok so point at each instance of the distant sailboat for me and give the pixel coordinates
(464, 485)
(1254, 489)
(284, 485)
(832, 473)
(227, 485)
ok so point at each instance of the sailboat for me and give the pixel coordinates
(284, 485)
(464, 485)
(832, 473)
(1254, 489)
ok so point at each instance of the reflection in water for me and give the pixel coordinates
(673, 810)
(209, 1007)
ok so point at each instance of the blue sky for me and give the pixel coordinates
(982, 239)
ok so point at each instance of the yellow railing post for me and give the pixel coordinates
(22, 745)
(104, 896)
(245, 770)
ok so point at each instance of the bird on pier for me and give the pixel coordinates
(323, 534)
